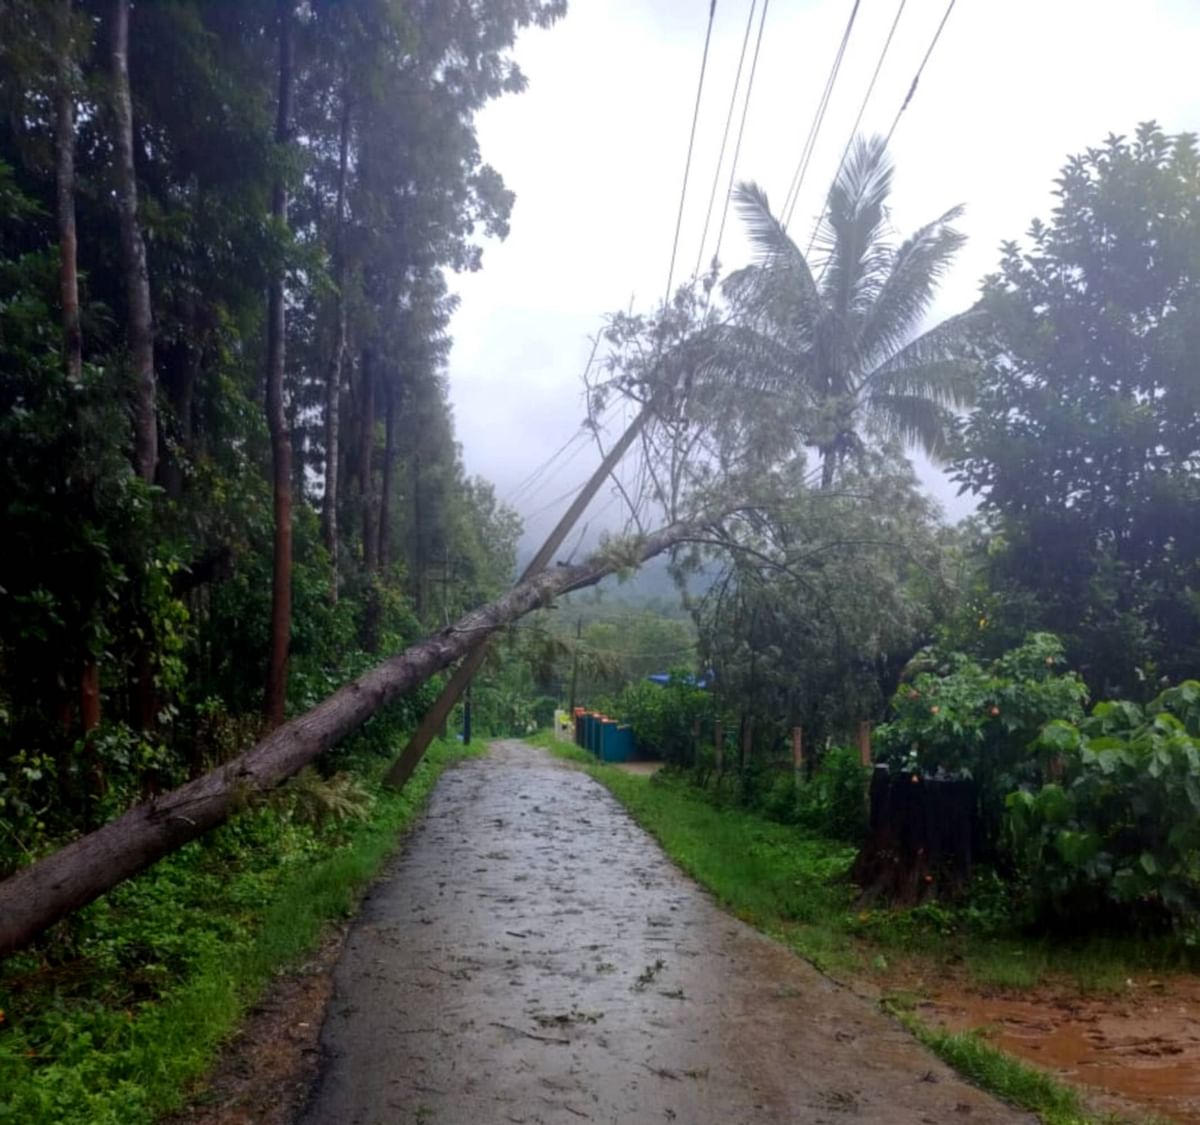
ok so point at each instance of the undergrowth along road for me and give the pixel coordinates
(114, 1024)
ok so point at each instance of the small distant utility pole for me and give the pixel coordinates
(575, 667)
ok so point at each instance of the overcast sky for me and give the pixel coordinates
(595, 149)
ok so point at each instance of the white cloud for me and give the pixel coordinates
(595, 148)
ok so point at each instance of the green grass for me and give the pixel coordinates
(1000, 1074)
(163, 968)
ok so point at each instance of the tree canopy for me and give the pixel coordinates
(1084, 449)
(163, 168)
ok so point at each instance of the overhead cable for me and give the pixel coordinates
(737, 148)
(687, 167)
(858, 120)
(737, 81)
(810, 143)
(917, 77)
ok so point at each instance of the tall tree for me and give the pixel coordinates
(64, 149)
(337, 359)
(1085, 448)
(133, 256)
(841, 337)
(281, 447)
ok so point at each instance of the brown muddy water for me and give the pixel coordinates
(1136, 1054)
(533, 957)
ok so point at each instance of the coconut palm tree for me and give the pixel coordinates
(844, 339)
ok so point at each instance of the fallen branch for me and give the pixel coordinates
(39, 895)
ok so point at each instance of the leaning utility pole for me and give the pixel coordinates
(401, 771)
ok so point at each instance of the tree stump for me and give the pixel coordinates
(919, 838)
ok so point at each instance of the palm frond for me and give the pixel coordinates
(950, 383)
(743, 358)
(953, 338)
(767, 234)
(851, 234)
(906, 294)
(913, 419)
(780, 282)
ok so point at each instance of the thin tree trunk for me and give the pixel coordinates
(39, 895)
(64, 144)
(333, 385)
(828, 468)
(389, 472)
(370, 505)
(418, 540)
(281, 446)
(366, 449)
(133, 257)
(68, 283)
(181, 387)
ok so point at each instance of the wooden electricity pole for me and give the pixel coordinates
(431, 723)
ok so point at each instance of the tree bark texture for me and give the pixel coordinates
(388, 474)
(39, 895)
(281, 446)
(133, 257)
(333, 384)
(366, 451)
(919, 840)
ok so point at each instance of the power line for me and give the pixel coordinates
(858, 120)
(687, 167)
(917, 77)
(737, 81)
(793, 193)
(737, 148)
(557, 500)
(528, 486)
(528, 483)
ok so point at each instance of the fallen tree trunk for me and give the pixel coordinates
(39, 895)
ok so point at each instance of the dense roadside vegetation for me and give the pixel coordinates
(230, 478)
(115, 1024)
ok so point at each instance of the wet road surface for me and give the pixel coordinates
(533, 957)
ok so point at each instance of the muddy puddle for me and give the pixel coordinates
(1137, 1053)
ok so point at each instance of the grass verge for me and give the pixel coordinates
(991, 1069)
(115, 1026)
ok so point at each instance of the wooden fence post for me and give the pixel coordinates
(798, 753)
(863, 738)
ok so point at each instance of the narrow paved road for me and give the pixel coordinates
(533, 957)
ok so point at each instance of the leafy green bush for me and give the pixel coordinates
(834, 802)
(663, 717)
(961, 715)
(1121, 824)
